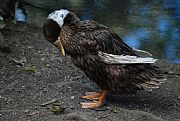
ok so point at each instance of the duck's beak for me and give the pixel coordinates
(59, 45)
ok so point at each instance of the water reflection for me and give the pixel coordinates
(137, 36)
(149, 25)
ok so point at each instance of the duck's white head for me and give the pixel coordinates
(59, 16)
(54, 24)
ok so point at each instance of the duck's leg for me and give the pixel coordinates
(98, 99)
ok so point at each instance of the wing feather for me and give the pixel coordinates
(94, 37)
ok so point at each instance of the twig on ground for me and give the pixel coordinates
(49, 102)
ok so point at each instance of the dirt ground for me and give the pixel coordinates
(34, 73)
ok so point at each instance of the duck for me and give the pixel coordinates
(85, 42)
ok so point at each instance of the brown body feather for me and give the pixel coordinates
(83, 39)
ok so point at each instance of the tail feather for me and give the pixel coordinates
(153, 84)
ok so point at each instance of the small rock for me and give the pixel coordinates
(72, 97)
(30, 47)
(42, 59)
(26, 111)
(47, 65)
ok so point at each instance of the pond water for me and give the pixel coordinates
(151, 25)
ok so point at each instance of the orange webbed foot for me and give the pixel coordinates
(92, 95)
(98, 99)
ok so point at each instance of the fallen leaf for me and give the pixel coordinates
(57, 108)
(114, 110)
(33, 69)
